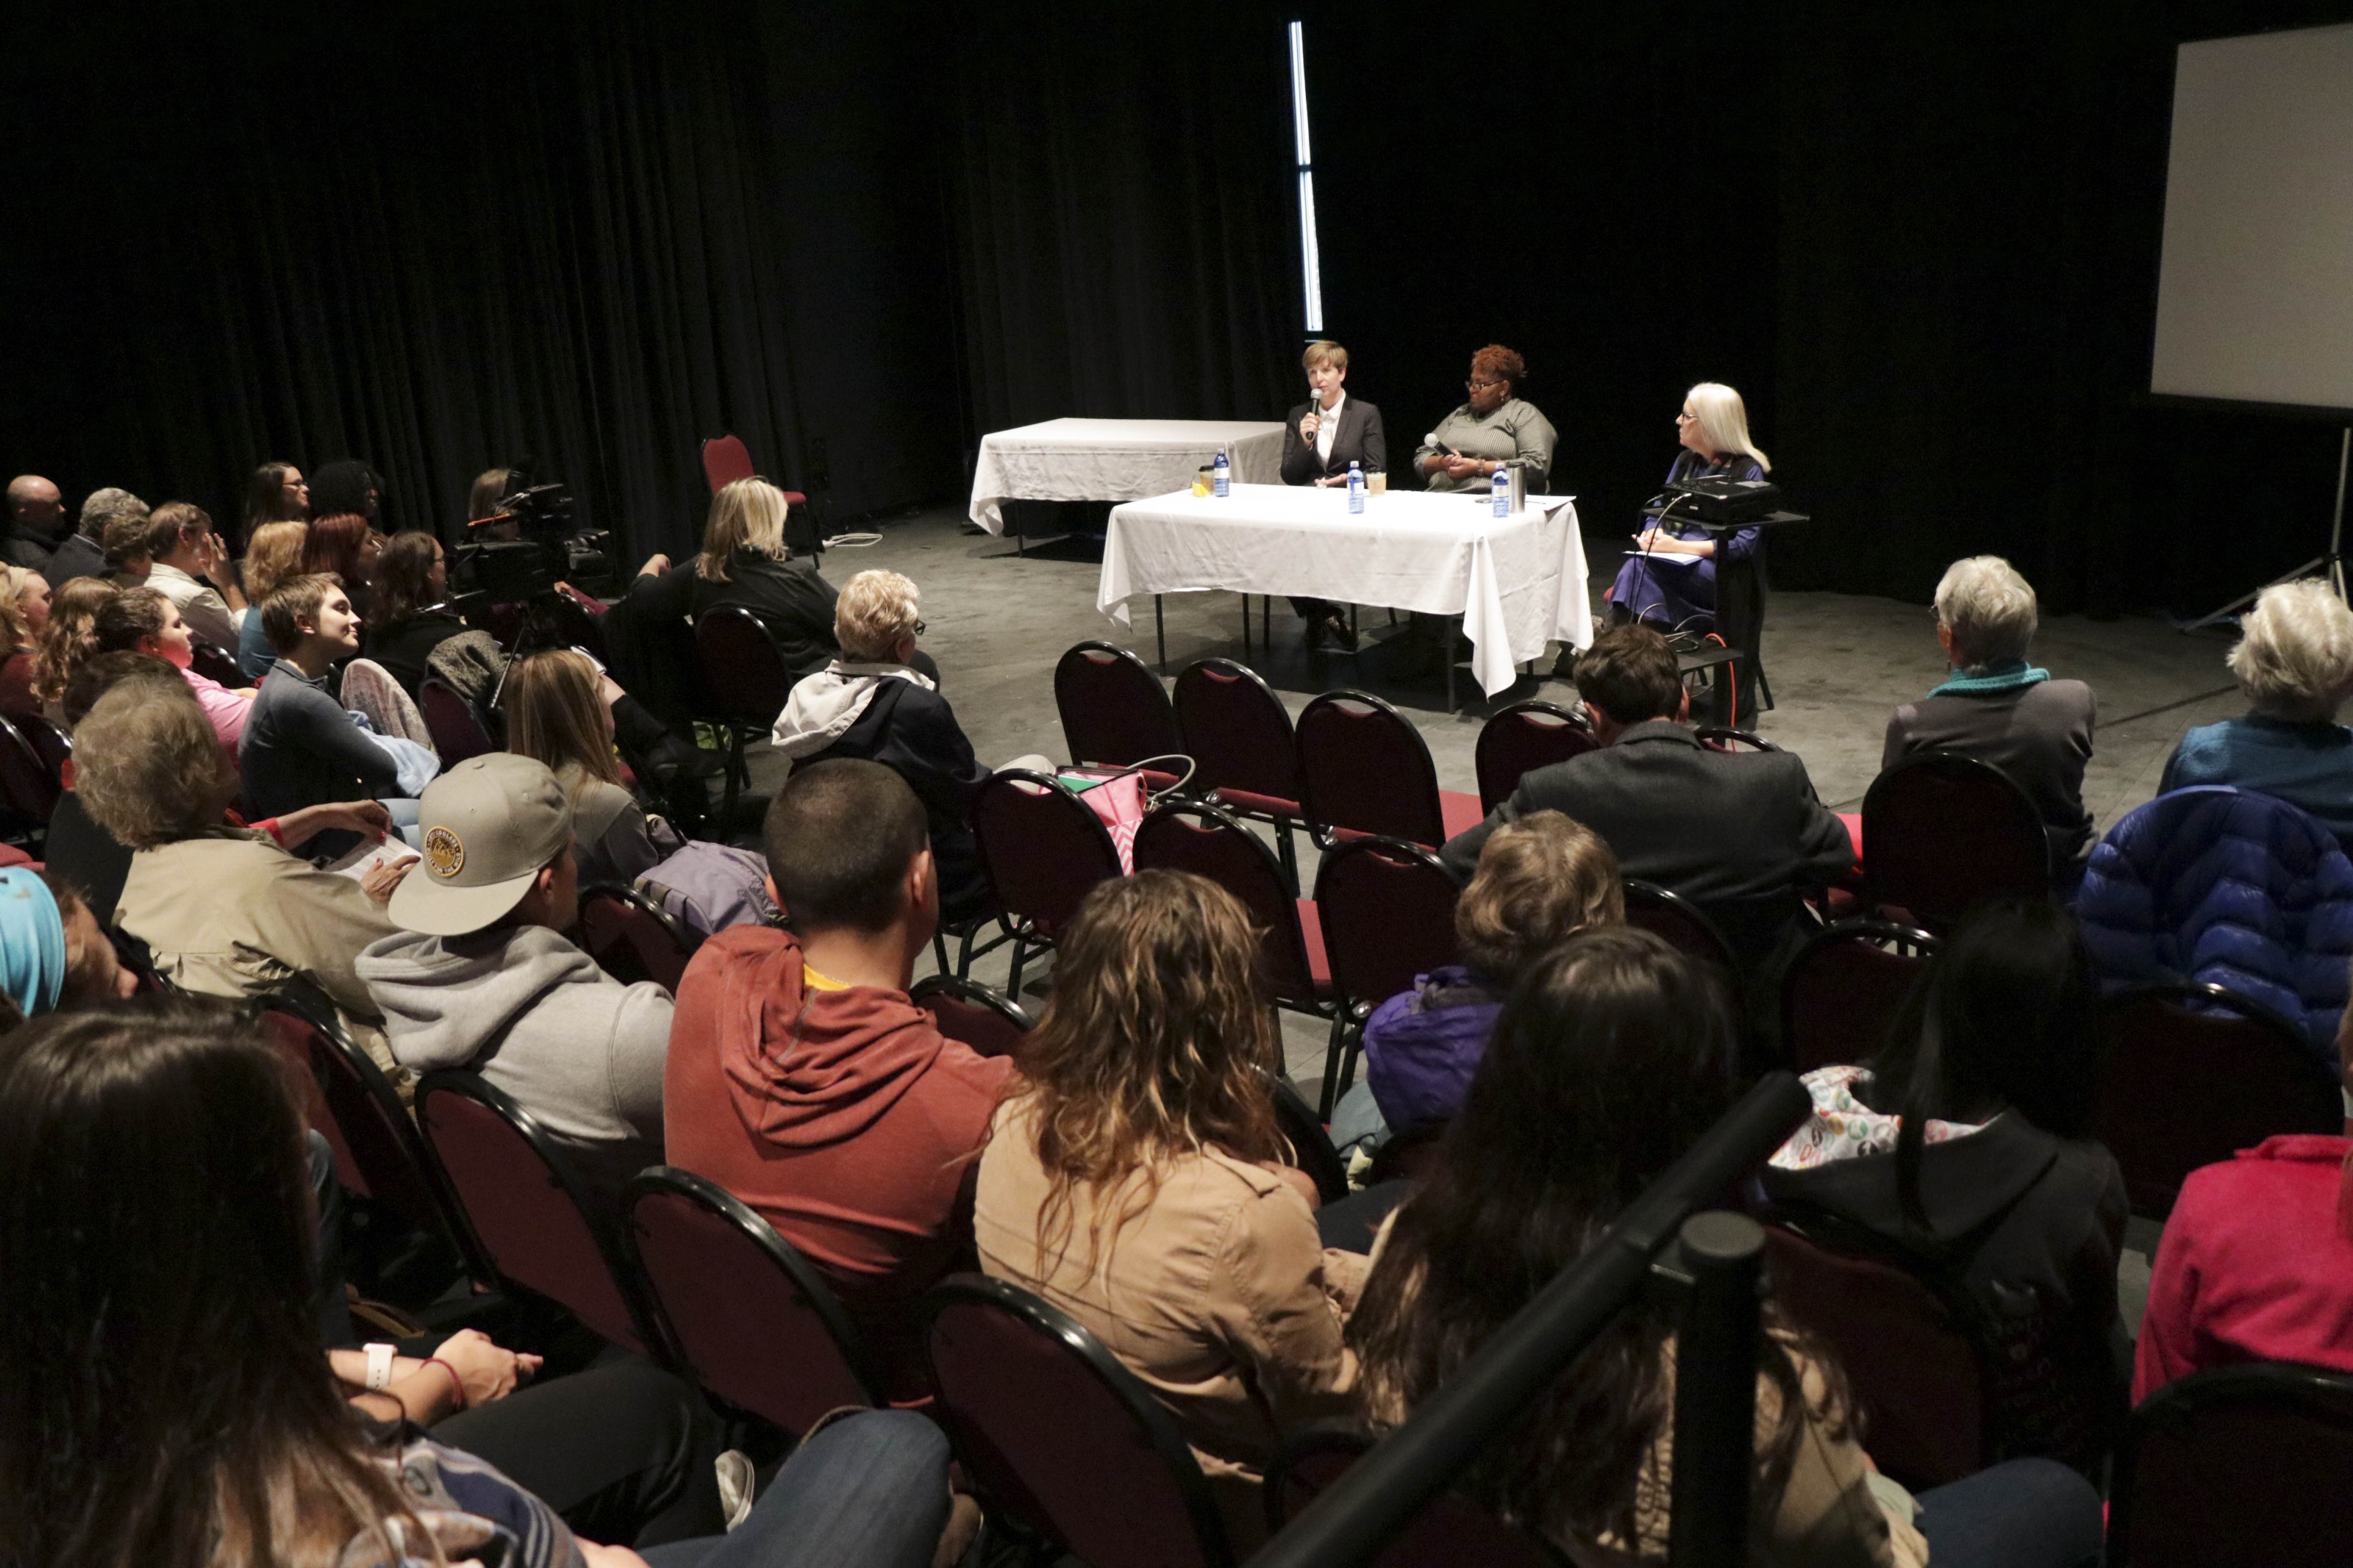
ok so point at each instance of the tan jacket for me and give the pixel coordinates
(1219, 1296)
(230, 914)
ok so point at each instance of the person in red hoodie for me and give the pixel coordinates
(2256, 1263)
(801, 1078)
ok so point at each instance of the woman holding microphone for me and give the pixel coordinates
(1325, 434)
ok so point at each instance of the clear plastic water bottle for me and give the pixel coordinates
(1503, 491)
(1222, 476)
(1356, 488)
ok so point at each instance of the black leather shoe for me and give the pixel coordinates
(1342, 632)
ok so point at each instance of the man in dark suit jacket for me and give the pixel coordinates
(1739, 834)
(1322, 436)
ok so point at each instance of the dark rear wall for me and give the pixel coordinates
(1922, 240)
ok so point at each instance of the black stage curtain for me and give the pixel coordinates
(446, 239)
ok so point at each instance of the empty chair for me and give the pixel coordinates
(725, 459)
(1943, 832)
(2192, 1075)
(1365, 770)
(1042, 847)
(1684, 925)
(457, 730)
(1919, 1386)
(748, 1317)
(1387, 913)
(1842, 989)
(1113, 709)
(2240, 1464)
(748, 680)
(1450, 1529)
(537, 1229)
(632, 938)
(1523, 738)
(1238, 733)
(988, 1021)
(1061, 1437)
(1207, 842)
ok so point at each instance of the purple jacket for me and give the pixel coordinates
(1422, 1045)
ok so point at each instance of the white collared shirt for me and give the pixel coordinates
(1328, 427)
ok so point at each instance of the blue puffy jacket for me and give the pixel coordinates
(2231, 887)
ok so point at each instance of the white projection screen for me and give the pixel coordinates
(2254, 298)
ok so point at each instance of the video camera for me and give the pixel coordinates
(530, 544)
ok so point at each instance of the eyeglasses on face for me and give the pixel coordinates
(1482, 385)
(919, 628)
(1686, 419)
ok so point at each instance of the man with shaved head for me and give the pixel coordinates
(36, 515)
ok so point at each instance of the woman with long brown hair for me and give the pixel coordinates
(1136, 1178)
(556, 714)
(71, 637)
(346, 545)
(408, 615)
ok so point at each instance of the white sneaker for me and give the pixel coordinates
(735, 1483)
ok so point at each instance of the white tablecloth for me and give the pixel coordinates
(1115, 459)
(1518, 582)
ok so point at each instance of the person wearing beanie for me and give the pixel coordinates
(480, 977)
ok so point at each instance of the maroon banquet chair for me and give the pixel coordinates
(28, 792)
(539, 1229)
(2239, 1465)
(990, 1022)
(748, 682)
(1310, 1140)
(51, 745)
(1920, 1385)
(1686, 927)
(1113, 709)
(632, 938)
(214, 664)
(1450, 1529)
(457, 730)
(1238, 733)
(1387, 912)
(1365, 769)
(749, 1318)
(725, 459)
(1843, 988)
(1207, 842)
(1042, 847)
(1523, 738)
(1942, 833)
(2182, 1087)
(1062, 1437)
(1723, 738)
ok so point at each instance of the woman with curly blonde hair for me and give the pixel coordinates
(1136, 1178)
(71, 637)
(23, 613)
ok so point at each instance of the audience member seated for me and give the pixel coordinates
(141, 620)
(224, 912)
(37, 518)
(2256, 1262)
(127, 544)
(1739, 834)
(24, 614)
(198, 1210)
(1997, 708)
(1966, 1147)
(78, 852)
(557, 712)
(347, 488)
(744, 564)
(1539, 878)
(807, 1084)
(1614, 1056)
(84, 553)
(53, 955)
(69, 639)
(875, 702)
(345, 546)
(2295, 662)
(408, 616)
(483, 978)
(1136, 1179)
(272, 555)
(276, 493)
(300, 748)
(190, 565)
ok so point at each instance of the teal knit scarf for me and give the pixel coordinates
(1998, 677)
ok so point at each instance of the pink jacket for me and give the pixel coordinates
(225, 708)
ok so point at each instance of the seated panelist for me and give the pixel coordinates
(1325, 435)
(1493, 428)
(1672, 584)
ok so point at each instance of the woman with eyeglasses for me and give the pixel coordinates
(1672, 584)
(1494, 427)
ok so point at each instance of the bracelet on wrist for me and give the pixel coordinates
(457, 1384)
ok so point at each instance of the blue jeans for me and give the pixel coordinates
(870, 1491)
(2022, 1513)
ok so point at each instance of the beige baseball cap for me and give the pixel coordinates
(490, 824)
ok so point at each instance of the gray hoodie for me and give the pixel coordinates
(585, 1056)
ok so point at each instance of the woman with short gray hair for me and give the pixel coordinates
(1998, 710)
(2295, 662)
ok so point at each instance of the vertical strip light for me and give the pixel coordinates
(1310, 264)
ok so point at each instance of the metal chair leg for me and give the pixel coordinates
(940, 949)
(734, 771)
(1289, 854)
(1331, 1049)
(1020, 956)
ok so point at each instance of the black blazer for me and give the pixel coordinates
(1358, 440)
(1719, 827)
